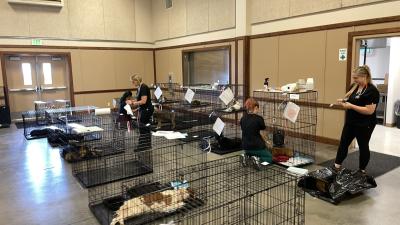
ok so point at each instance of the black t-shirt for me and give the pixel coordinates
(251, 125)
(368, 96)
(144, 90)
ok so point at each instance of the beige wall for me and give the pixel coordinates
(123, 20)
(189, 17)
(287, 58)
(268, 10)
(95, 70)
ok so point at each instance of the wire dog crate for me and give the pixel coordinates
(134, 161)
(213, 193)
(36, 126)
(294, 143)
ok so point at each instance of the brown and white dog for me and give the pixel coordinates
(165, 201)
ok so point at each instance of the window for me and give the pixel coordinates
(206, 66)
(27, 73)
(47, 73)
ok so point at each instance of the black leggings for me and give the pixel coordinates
(144, 130)
(363, 135)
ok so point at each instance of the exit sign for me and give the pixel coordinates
(37, 42)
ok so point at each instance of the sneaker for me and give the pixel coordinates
(256, 162)
(244, 159)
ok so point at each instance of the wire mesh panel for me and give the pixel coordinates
(68, 115)
(294, 143)
(36, 127)
(134, 161)
(216, 192)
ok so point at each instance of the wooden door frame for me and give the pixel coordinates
(352, 39)
(67, 56)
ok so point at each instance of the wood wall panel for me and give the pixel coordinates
(377, 26)
(221, 14)
(301, 7)
(197, 16)
(49, 22)
(264, 61)
(119, 20)
(86, 19)
(162, 65)
(97, 70)
(76, 70)
(333, 123)
(302, 56)
(127, 63)
(14, 20)
(148, 75)
(1, 75)
(143, 21)
(160, 20)
(177, 19)
(335, 70)
(102, 100)
(346, 3)
(240, 62)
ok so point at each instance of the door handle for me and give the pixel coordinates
(52, 88)
(21, 89)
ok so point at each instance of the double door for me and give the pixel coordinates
(35, 78)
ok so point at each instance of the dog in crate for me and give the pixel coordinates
(164, 115)
(163, 202)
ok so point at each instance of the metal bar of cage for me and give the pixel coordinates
(216, 192)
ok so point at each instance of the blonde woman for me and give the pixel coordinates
(360, 104)
(146, 110)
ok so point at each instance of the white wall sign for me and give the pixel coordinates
(342, 54)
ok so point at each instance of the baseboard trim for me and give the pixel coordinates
(327, 140)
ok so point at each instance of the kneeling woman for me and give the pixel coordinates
(252, 141)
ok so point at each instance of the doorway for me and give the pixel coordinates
(375, 52)
(35, 77)
(380, 50)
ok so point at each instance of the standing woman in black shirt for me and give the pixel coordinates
(360, 104)
(146, 109)
(252, 142)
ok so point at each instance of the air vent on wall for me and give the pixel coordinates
(53, 3)
(168, 4)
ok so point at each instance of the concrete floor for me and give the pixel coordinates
(37, 187)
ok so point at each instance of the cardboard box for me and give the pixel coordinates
(282, 151)
(382, 88)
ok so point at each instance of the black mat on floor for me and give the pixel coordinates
(215, 149)
(105, 210)
(378, 165)
(198, 135)
(20, 125)
(126, 170)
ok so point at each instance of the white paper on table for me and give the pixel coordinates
(175, 135)
(158, 92)
(85, 130)
(189, 95)
(227, 96)
(53, 128)
(291, 112)
(218, 126)
(296, 170)
(75, 125)
(128, 109)
(161, 133)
